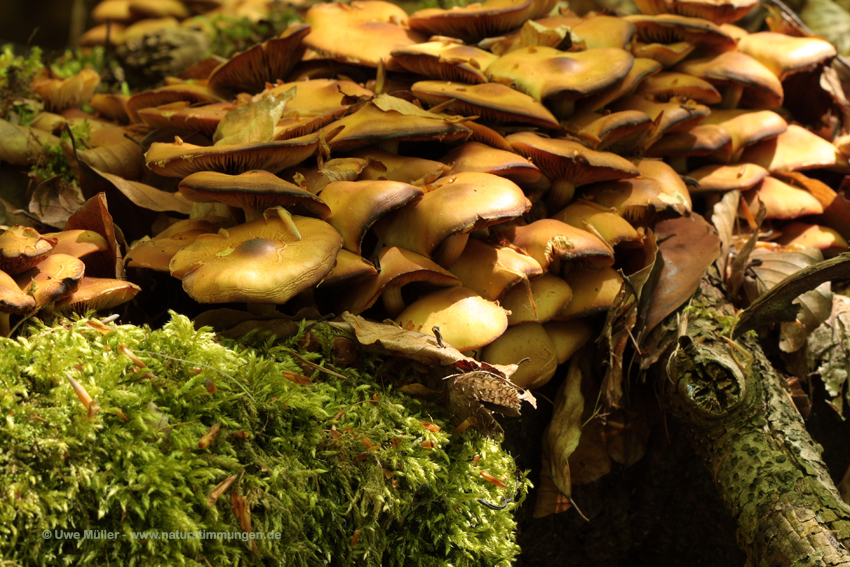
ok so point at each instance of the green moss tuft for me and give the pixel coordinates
(303, 467)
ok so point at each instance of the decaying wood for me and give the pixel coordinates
(765, 464)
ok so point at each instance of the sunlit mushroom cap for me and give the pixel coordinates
(393, 167)
(617, 131)
(253, 191)
(477, 21)
(183, 159)
(465, 320)
(57, 276)
(77, 243)
(663, 86)
(490, 101)
(112, 106)
(721, 178)
(350, 268)
(668, 28)
(267, 62)
(316, 103)
(159, 9)
(701, 140)
(799, 235)
(666, 54)
(362, 32)
(785, 55)
(182, 115)
(546, 295)
(546, 73)
(192, 93)
(781, 200)
(356, 205)
(257, 262)
(387, 118)
(474, 156)
(761, 88)
(13, 300)
(460, 203)
(603, 222)
(557, 246)
(568, 337)
(594, 291)
(794, 150)
(525, 341)
(22, 247)
(398, 268)
(641, 69)
(444, 60)
(112, 10)
(96, 294)
(73, 92)
(746, 127)
(156, 253)
(491, 271)
(717, 11)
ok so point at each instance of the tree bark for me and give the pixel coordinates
(741, 420)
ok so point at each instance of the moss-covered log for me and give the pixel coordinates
(741, 420)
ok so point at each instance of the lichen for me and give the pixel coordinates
(341, 468)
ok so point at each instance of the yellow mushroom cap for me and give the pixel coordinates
(549, 294)
(477, 21)
(465, 320)
(96, 294)
(22, 247)
(785, 55)
(526, 340)
(492, 270)
(57, 276)
(556, 245)
(594, 292)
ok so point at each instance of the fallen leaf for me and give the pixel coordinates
(53, 201)
(124, 158)
(590, 461)
(299, 379)
(94, 215)
(735, 277)
(219, 489)
(208, 437)
(22, 146)
(253, 122)
(828, 351)
(550, 500)
(564, 431)
(724, 216)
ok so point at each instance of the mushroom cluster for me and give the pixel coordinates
(487, 172)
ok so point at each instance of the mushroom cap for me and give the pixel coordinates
(384, 165)
(798, 235)
(159, 9)
(669, 28)
(266, 62)
(362, 32)
(782, 201)
(183, 159)
(566, 159)
(192, 93)
(12, 299)
(96, 294)
(549, 294)
(114, 10)
(785, 55)
(641, 69)
(156, 253)
(594, 291)
(477, 21)
(761, 88)
(257, 262)
(466, 320)
(794, 150)
(254, 191)
(387, 118)
(349, 269)
(491, 271)
(592, 217)
(73, 92)
(546, 73)
(556, 245)
(490, 101)
(526, 340)
(458, 204)
(716, 11)
(701, 140)
(662, 86)
(316, 103)
(721, 178)
(445, 60)
(568, 337)
(22, 247)
(356, 205)
(746, 127)
(57, 276)
(77, 243)
(618, 131)
(666, 54)
(181, 115)
(477, 157)
(398, 267)
(674, 116)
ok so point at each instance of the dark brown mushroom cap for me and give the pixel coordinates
(183, 159)
(12, 299)
(267, 62)
(477, 21)
(546, 73)
(457, 204)
(193, 93)
(258, 262)
(566, 159)
(96, 294)
(477, 157)
(444, 60)
(785, 55)
(362, 32)
(57, 276)
(557, 246)
(22, 247)
(490, 101)
(716, 11)
(387, 118)
(668, 28)
(253, 191)
(398, 267)
(761, 88)
(356, 205)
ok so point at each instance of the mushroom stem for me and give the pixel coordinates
(560, 194)
(4, 324)
(252, 215)
(450, 250)
(731, 96)
(393, 301)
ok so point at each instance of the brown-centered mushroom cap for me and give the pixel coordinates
(253, 192)
(465, 320)
(57, 276)
(717, 11)
(490, 101)
(22, 247)
(557, 246)
(445, 60)
(398, 268)
(477, 21)
(455, 205)
(356, 205)
(183, 159)
(263, 63)
(258, 262)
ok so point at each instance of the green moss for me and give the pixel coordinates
(303, 467)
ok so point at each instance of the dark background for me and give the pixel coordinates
(50, 19)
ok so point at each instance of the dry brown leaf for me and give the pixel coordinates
(590, 461)
(253, 122)
(243, 512)
(723, 217)
(550, 500)
(94, 215)
(828, 352)
(389, 103)
(208, 437)
(53, 201)
(564, 431)
(124, 158)
(299, 379)
(219, 489)
(22, 146)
